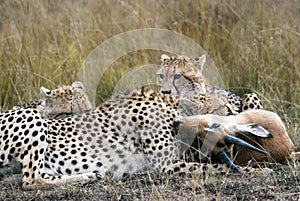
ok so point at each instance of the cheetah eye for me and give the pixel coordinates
(177, 76)
(161, 76)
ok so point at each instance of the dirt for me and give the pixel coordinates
(281, 184)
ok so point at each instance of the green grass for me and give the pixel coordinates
(254, 44)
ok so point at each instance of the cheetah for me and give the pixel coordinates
(57, 103)
(128, 133)
(182, 76)
(61, 102)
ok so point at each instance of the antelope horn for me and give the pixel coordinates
(225, 159)
(234, 140)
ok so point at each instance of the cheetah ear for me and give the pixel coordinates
(164, 57)
(45, 92)
(199, 62)
(78, 85)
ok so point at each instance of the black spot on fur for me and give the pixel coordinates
(29, 119)
(68, 171)
(176, 169)
(12, 150)
(42, 138)
(10, 119)
(18, 144)
(134, 119)
(35, 143)
(15, 138)
(19, 120)
(3, 128)
(35, 133)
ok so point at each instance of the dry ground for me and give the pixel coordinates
(282, 184)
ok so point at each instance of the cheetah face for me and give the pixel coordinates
(179, 76)
(64, 101)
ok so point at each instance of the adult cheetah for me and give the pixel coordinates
(65, 101)
(126, 134)
(61, 102)
(182, 76)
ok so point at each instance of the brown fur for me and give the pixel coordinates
(280, 147)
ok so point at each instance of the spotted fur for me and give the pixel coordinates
(59, 103)
(124, 135)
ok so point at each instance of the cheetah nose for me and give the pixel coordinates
(165, 91)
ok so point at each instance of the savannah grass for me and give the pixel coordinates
(254, 44)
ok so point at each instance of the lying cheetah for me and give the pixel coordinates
(58, 103)
(61, 102)
(126, 134)
(182, 76)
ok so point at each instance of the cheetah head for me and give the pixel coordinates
(182, 76)
(65, 100)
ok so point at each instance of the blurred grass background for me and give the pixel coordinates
(254, 44)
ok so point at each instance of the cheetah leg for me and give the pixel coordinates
(257, 170)
(35, 176)
(182, 167)
(46, 181)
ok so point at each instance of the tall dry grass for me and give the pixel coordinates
(254, 44)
